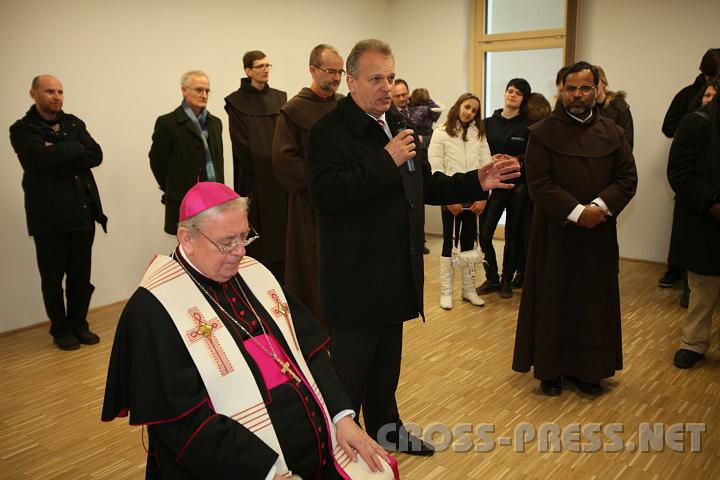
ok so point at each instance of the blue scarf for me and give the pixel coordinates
(200, 121)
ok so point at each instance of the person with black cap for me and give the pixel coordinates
(507, 134)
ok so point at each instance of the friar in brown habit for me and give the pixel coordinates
(289, 158)
(580, 175)
(253, 110)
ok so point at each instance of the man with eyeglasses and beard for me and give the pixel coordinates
(289, 158)
(253, 110)
(229, 373)
(580, 173)
(186, 146)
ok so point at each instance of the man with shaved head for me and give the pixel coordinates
(62, 205)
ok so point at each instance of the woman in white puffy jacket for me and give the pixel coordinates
(459, 146)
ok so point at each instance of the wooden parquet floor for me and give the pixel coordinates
(456, 370)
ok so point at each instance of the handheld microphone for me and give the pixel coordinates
(398, 125)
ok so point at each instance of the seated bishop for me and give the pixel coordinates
(229, 373)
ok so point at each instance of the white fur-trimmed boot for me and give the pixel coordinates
(447, 277)
(468, 289)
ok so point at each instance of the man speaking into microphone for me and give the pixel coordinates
(370, 200)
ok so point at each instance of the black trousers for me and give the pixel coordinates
(514, 202)
(65, 255)
(367, 362)
(468, 229)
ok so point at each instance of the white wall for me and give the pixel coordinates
(651, 49)
(430, 42)
(120, 64)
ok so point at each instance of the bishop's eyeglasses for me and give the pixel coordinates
(232, 244)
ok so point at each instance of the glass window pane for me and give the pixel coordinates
(505, 16)
(538, 67)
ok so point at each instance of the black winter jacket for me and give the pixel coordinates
(60, 191)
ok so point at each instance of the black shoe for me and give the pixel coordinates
(591, 388)
(505, 290)
(87, 338)
(552, 388)
(408, 443)
(488, 286)
(687, 358)
(66, 343)
(669, 280)
(425, 250)
(517, 282)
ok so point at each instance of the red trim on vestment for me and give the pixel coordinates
(314, 352)
(190, 439)
(168, 420)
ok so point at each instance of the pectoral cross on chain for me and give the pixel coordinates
(286, 370)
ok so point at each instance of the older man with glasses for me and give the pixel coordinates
(229, 372)
(253, 110)
(289, 158)
(175, 159)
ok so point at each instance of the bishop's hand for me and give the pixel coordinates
(353, 440)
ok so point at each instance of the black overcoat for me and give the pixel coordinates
(177, 158)
(372, 217)
(694, 175)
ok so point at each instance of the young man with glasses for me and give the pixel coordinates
(175, 159)
(253, 110)
(289, 156)
(580, 173)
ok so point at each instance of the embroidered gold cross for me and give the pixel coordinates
(204, 330)
(286, 370)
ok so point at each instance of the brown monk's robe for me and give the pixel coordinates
(289, 159)
(569, 319)
(252, 114)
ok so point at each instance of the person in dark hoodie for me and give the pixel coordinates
(613, 106)
(507, 134)
(253, 110)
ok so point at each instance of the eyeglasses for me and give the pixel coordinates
(232, 244)
(262, 66)
(200, 90)
(584, 89)
(331, 71)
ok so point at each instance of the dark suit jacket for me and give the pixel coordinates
(372, 218)
(177, 158)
